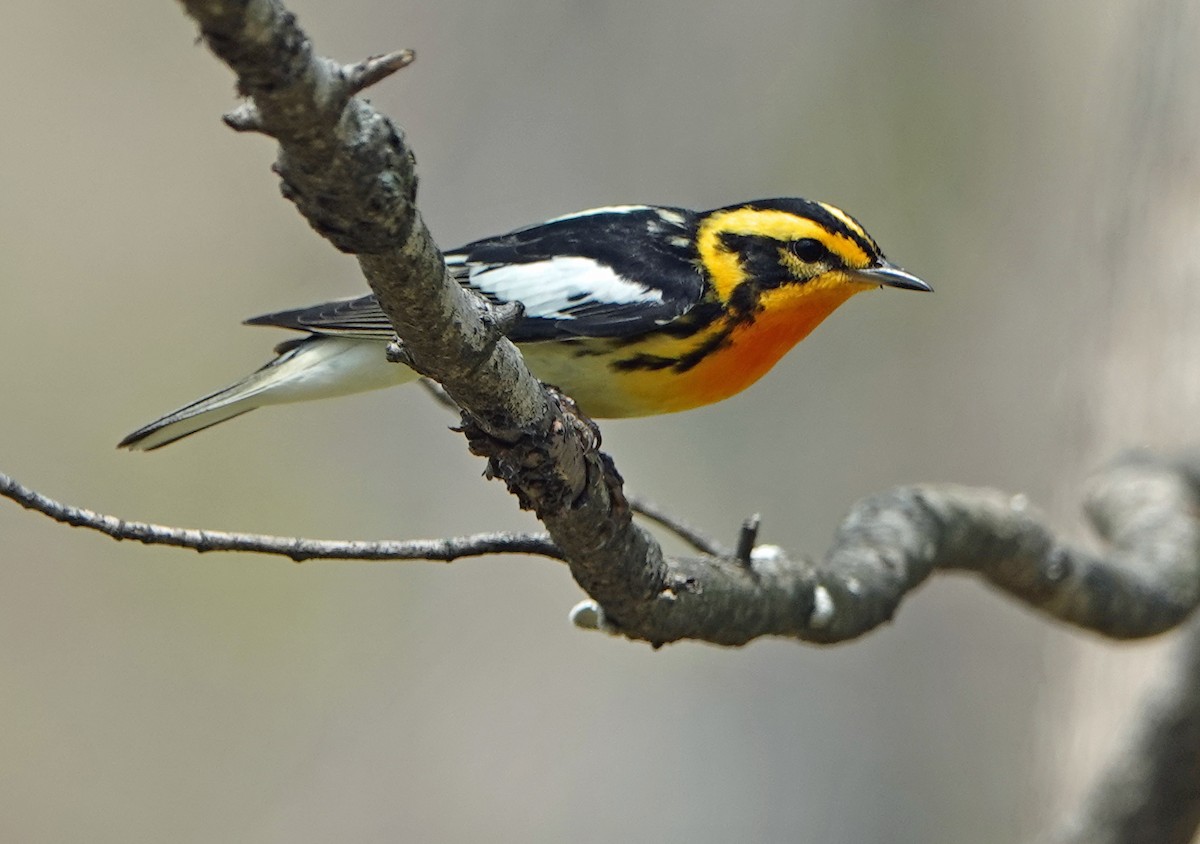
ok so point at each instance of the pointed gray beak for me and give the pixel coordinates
(889, 275)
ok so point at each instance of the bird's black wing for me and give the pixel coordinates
(609, 272)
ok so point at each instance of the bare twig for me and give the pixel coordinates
(887, 546)
(435, 391)
(244, 118)
(693, 536)
(746, 539)
(375, 69)
(296, 548)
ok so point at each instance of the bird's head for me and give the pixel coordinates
(792, 249)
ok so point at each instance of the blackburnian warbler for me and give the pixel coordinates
(631, 310)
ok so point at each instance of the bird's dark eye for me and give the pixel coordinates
(809, 251)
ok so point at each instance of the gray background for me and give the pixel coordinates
(151, 695)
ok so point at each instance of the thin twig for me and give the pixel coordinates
(244, 118)
(693, 536)
(746, 539)
(366, 73)
(297, 549)
(435, 391)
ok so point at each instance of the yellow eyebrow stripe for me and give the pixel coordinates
(849, 222)
(726, 272)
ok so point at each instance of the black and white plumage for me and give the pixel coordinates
(577, 277)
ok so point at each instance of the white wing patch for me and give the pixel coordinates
(551, 289)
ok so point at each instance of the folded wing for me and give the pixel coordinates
(592, 274)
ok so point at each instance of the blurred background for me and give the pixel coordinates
(1035, 162)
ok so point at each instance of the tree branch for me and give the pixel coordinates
(885, 548)
(693, 536)
(349, 171)
(891, 542)
(295, 548)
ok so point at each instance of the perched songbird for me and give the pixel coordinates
(631, 310)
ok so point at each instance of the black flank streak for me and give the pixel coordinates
(643, 361)
(654, 363)
(702, 351)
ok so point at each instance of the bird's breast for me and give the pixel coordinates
(658, 373)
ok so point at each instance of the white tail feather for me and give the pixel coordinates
(315, 368)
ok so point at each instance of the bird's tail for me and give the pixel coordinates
(314, 367)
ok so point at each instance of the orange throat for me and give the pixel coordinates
(788, 316)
